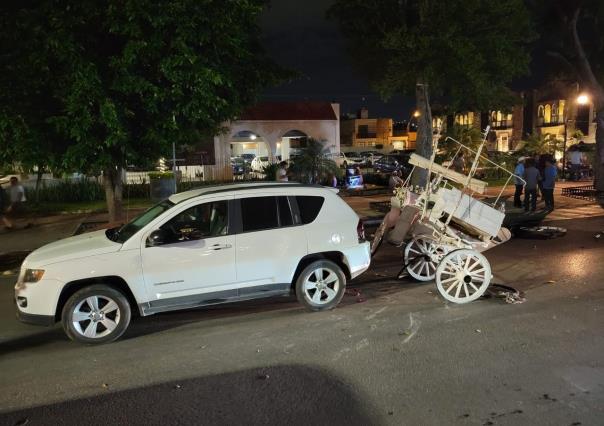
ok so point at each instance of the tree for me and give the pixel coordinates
(572, 34)
(125, 79)
(540, 144)
(464, 50)
(313, 163)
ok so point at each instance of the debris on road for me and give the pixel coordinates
(540, 232)
(508, 294)
(355, 292)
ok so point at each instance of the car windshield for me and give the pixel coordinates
(122, 234)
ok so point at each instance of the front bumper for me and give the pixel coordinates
(45, 320)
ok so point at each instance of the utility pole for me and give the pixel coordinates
(174, 166)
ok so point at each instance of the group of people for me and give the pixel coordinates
(11, 205)
(539, 173)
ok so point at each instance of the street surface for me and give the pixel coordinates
(396, 354)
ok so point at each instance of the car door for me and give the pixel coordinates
(269, 244)
(197, 254)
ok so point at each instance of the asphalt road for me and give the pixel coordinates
(395, 354)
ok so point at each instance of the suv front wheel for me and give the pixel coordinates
(96, 314)
(321, 285)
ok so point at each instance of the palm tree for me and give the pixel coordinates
(313, 163)
(540, 144)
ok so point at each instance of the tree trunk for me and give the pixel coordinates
(112, 181)
(424, 130)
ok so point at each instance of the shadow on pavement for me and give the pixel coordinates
(281, 395)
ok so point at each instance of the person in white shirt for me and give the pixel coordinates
(282, 172)
(576, 160)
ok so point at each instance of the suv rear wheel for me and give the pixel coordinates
(321, 285)
(96, 314)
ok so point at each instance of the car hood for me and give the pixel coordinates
(89, 244)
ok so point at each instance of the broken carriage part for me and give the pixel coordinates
(540, 232)
(508, 294)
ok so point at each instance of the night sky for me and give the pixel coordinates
(301, 38)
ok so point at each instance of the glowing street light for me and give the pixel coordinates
(582, 99)
(253, 137)
(416, 114)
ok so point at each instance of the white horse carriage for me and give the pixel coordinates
(444, 228)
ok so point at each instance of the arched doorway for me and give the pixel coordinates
(249, 151)
(291, 142)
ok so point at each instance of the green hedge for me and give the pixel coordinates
(85, 191)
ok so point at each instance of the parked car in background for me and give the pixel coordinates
(339, 158)
(239, 166)
(354, 159)
(248, 157)
(370, 157)
(258, 163)
(218, 244)
(389, 163)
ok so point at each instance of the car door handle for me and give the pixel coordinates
(220, 246)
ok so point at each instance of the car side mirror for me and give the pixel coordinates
(158, 238)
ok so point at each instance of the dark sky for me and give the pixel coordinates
(299, 37)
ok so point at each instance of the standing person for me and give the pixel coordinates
(16, 197)
(531, 176)
(549, 182)
(357, 172)
(7, 223)
(540, 165)
(395, 180)
(576, 161)
(282, 172)
(519, 172)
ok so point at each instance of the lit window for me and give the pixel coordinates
(547, 118)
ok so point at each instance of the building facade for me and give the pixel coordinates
(362, 132)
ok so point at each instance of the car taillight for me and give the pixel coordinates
(361, 231)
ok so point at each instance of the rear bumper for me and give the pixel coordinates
(358, 259)
(45, 320)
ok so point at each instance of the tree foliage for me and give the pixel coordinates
(118, 81)
(313, 163)
(466, 50)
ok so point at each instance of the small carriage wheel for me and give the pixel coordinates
(378, 237)
(422, 256)
(463, 275)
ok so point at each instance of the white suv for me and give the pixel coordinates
(208, 246)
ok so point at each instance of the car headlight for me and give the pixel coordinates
(33, 275)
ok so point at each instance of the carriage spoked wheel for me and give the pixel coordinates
(422, 257)
(463, 275)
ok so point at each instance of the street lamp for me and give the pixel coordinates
(582, 99)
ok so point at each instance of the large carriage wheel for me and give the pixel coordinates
(463, 276)
(378, 237)
(422, 256)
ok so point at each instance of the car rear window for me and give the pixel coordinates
(309, 207)
(259, 213)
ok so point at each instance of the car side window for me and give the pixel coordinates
(309, 207)
(258, 213)
(201, 221)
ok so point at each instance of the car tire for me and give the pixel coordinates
(96, 314)
(321, 285)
